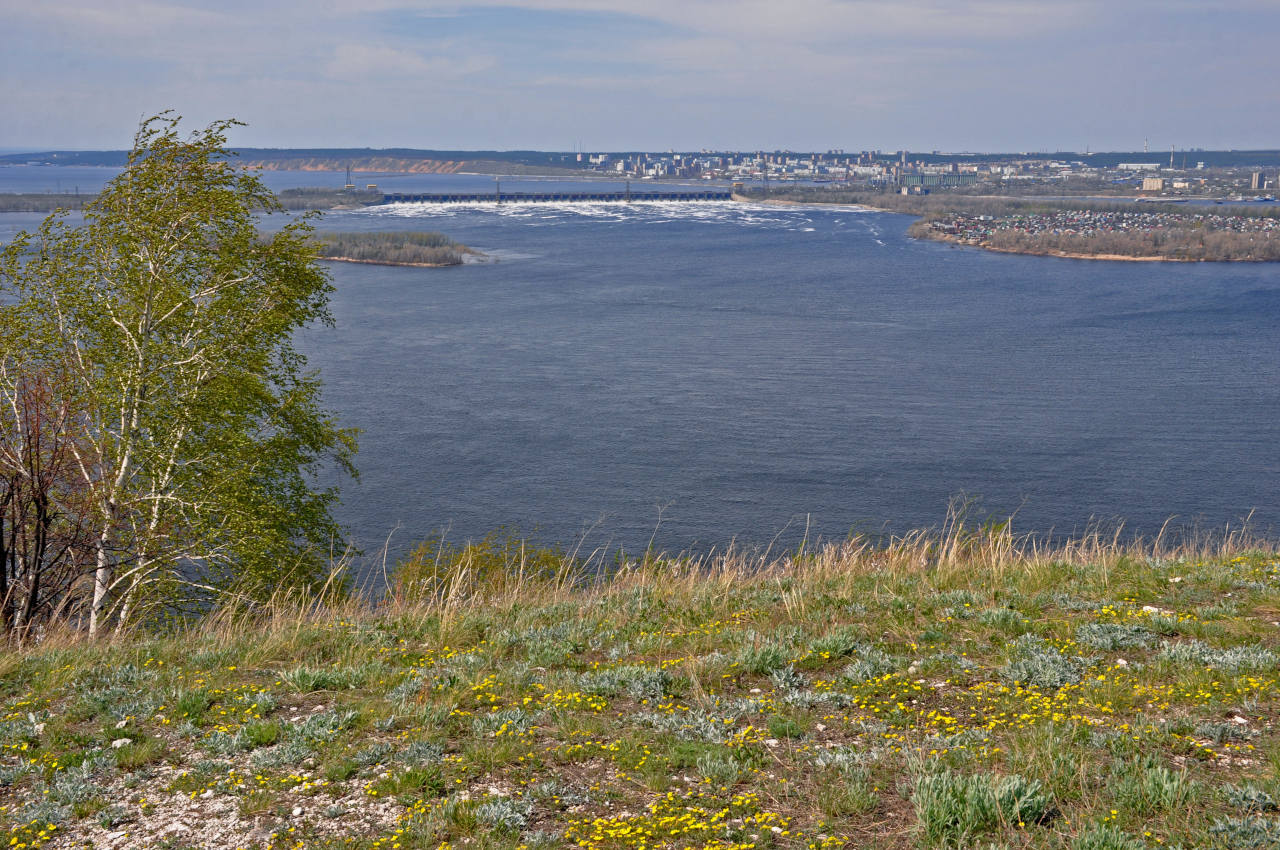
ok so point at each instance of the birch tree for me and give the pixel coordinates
(169, 318)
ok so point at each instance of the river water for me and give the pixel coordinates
(703, 373)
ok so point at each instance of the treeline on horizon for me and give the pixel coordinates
(423, 248)
(111, 159)
(306, 198)
(1266, 157)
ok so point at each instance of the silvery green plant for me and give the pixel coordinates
(952, 808)
(373, 754)
(695, 725)
(1112, 636)
(836, 644)
(1238, 659)
(540, 839)
(422, 753)
(505, 814)
(515, 720)
(558, 794)
(288, 753)
(1251, 832)
(844, 759)
(322, 727)
(1039, 664)
(641, 683)
(719, 769)
(1104, 836)
(1250, 798)
(868, 662)
(788, 679)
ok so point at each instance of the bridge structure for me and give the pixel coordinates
(500, 197)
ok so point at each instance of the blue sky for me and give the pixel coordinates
(684, 74)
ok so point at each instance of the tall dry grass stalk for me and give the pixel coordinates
(960, 554)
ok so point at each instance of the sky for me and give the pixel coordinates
(588, 75)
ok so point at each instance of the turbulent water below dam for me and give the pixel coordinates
(744, 372)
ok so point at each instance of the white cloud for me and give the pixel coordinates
(356, 62)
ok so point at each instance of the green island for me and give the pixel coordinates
(1067, 227)
(393, 248)
(956, 689)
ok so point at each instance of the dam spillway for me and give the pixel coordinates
(616, 197)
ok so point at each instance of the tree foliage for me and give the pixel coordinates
(165, 322)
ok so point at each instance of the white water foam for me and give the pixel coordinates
(537, 214)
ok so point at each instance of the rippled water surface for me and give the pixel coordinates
(745, 371)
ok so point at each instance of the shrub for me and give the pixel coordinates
(501, 560)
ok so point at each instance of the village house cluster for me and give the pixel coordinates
(920, 173)
(978, 229)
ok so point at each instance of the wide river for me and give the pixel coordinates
(705, 373)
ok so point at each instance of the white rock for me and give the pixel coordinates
(121, 742)
(297, 811)
(821, 727)
(122, 724)
(755, 690)
(1120, 662)
(771, 742)
(1175, 579)
(208, 794)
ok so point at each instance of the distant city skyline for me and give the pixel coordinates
(808, 75)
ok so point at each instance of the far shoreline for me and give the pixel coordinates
(1063, 255)
(1068, 255)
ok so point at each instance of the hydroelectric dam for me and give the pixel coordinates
(499, 197)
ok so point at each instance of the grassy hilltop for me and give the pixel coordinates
(951, 690)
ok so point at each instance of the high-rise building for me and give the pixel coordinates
(1257, 181)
